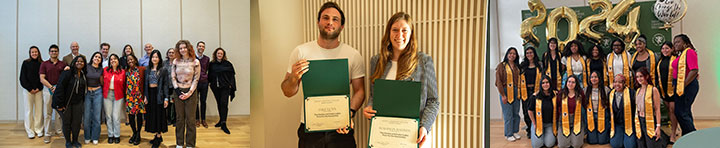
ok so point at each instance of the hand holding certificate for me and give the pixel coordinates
(326, 87)
(393, 132)
(396, 123)
(326, 113)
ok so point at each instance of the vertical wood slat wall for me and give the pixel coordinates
(451, 31)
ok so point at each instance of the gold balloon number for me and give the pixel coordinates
(628, 33)
(552, 21)
(587, 23)
(526, 28)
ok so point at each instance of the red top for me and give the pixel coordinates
(692, 63)
(52, 71)
(118, 82)
(571, 105)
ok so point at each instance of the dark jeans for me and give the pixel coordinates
(222, 97)
(202, 89)
(683, 107)
(329, 139)
(526, 117)
(649, 142)
(72, 117)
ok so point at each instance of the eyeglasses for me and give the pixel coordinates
(53, 51)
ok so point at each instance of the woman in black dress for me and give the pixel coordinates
(156, 98)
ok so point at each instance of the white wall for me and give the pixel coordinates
(220, 23)
(277, 30)
(701, 29)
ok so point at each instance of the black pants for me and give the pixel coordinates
(222, 97)
(136, 123)
(72, 117)
(329, 139)
(202, 88)
(170, 112)
(525, 108)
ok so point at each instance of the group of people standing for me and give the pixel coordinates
(150, 90)
(578, 97)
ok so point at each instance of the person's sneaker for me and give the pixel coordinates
(516, 136)
(47, 139)
(179, 146)
(68, 145)
(87, 141)
(511, 138)
(95, 142)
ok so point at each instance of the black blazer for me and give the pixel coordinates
(163, 85)
(619, 112)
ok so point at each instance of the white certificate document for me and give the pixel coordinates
(327, 113)
(393, 132)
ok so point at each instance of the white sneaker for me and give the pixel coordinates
(95, 142)
(511, 139)
(87, 141)
(179, 146)
(516, 136)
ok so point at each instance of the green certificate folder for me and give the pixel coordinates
(397, 103)
(395, 98)
(326, 79)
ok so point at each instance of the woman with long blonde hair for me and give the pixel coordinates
(399, 59)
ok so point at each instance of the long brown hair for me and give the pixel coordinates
(188, 45)
(408, 58)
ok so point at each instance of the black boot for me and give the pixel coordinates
(137, 139)
(224, 128)
(132, 139)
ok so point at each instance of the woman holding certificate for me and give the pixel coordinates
(399, 59)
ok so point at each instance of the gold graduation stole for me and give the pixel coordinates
(568, 67)
(509, 83)
(682, 68)
(523, 88)
(539, 117)
(649, 118)
(627, 111)
(549, 73)
(604, 72)
(669, 90)
(601, 116)
(651, 58)
(565, 120)
(626, 68)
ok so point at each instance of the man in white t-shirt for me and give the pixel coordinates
(331, 21)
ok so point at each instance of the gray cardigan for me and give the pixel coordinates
(424, 73)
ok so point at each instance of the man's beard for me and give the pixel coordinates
(330, 35)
